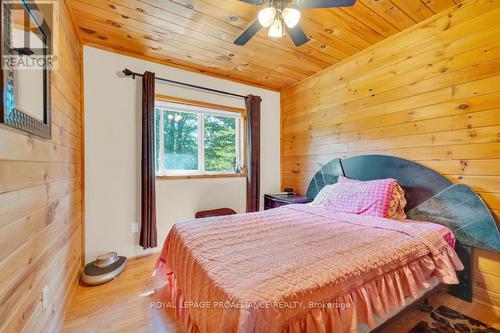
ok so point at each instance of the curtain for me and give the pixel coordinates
(148, 238)
(252, 104)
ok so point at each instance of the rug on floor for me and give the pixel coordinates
(445, 320)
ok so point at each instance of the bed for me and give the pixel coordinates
(300, 268)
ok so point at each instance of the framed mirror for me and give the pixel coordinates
(26, 49)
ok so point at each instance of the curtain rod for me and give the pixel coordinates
(128, 72)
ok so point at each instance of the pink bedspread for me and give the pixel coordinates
(299, 269)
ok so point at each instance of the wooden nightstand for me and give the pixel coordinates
(276, 200)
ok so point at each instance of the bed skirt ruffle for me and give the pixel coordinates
(370, 299)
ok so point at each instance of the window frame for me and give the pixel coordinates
(192, 174)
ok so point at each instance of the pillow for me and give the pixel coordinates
(323, 195)
(379, 197)
(397, 203)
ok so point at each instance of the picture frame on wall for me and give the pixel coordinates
(27, 59)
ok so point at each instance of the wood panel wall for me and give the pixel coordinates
(197, 35)
(41, 202)
(429, 94)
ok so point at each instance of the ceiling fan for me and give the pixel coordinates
(279, 15)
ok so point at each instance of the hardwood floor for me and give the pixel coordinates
(125, 305)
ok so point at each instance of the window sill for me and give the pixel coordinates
(223, 175)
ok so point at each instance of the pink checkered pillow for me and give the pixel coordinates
(365, 198)
(345, 180)
(398, 201)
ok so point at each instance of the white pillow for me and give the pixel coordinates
(323, 195)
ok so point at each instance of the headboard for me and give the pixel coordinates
(431, 197)
(419, 182)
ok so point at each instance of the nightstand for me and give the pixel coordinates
(276, 200)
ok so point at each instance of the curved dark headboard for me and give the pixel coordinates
(419, 182)
(430, 195)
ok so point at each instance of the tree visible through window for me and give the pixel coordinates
(196, 140)
(220, 143)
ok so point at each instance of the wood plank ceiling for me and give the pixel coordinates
(198, 34)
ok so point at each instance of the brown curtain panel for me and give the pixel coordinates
(148, 237)
(253, 152)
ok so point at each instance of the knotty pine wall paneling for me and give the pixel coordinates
(430, 94)
(199, 37)
(41, 202)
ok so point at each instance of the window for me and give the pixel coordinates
(197, 140)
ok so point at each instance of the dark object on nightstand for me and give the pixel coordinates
(214, 212)
(277, 200)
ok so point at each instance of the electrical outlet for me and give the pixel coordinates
(135, 228)
(45, 301)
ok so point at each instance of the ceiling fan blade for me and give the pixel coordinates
(326, 3)
(252, 30)
(297, 35)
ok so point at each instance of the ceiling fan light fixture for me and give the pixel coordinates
(276, 29)
(291, 16)
(266, 16)
(283, 16)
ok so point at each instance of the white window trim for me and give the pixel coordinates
(202, 112)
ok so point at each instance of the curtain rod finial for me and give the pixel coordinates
(127, 72)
